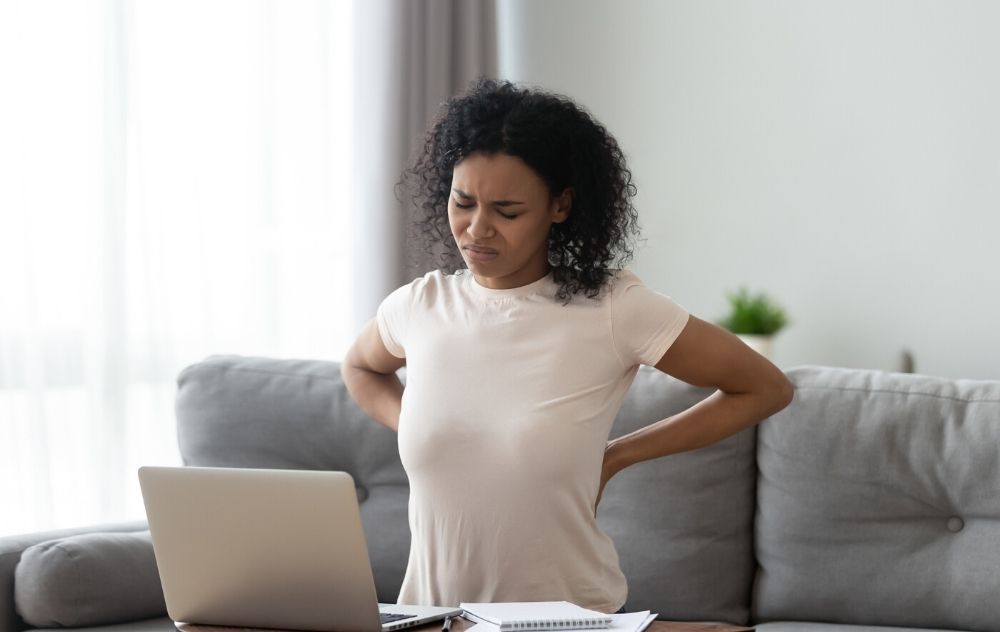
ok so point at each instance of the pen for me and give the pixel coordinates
(446, 627)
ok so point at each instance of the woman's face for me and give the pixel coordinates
(500, 212)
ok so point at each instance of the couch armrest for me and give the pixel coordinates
(11, 548)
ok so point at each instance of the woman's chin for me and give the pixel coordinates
(481, 267)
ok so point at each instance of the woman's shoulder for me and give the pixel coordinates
(621, 279)
(624, 283)
(624, 275)
(432, 284)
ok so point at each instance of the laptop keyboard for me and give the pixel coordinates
(389, 617)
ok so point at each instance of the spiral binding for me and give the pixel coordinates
(555, 624)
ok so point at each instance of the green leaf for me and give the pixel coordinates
(753, 314)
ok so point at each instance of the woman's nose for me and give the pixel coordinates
(480, 225)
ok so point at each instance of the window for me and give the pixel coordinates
(173, 184)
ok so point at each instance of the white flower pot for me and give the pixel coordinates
(760, 344)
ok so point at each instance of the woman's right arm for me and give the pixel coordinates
(369, 372)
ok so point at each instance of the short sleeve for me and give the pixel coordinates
(393, 318)
(644, 323)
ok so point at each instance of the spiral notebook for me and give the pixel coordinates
(524, 616)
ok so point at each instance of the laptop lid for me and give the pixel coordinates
(280, 549)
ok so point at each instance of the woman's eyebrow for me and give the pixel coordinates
(463, 194)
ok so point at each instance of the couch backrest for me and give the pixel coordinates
(683, 526)
(879, 501)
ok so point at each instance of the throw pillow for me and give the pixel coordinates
(89, 579)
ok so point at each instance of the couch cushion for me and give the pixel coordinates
(683, 525)
(879, 501)
(801, 626)
(89, 579)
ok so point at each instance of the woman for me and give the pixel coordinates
(518, 362)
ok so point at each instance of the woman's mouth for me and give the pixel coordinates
(480, 254)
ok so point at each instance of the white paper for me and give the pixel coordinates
(499, 612)
(631, 621)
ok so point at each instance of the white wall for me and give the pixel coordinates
(843, 156)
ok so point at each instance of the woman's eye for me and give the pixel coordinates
(504, 215)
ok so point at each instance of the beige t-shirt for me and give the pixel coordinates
(509, 401)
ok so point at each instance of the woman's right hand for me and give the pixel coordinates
(369, 373)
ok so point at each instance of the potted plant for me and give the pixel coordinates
(755, 319)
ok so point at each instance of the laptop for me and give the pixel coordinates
(258, 548)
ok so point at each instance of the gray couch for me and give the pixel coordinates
(872, 500)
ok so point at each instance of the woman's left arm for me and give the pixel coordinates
(750, 390)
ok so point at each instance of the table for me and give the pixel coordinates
(459, 624)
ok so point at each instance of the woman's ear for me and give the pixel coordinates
(563, 206)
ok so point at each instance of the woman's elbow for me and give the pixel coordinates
(785, 393)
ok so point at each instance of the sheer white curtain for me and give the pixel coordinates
(173, 184)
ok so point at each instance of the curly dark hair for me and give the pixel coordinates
(564, 144)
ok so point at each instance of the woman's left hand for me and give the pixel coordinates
(607, 471)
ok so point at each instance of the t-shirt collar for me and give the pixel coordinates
(535, 287)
